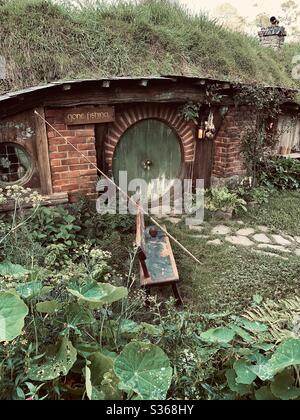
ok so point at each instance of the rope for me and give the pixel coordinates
(121, 191)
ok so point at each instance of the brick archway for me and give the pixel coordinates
(164, 113)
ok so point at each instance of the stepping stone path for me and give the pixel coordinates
(257, 239)
(245, 232)
(239, 240)
(261, 237)
(280, 240)
(275, 247)
(216, 242)
(221, 230)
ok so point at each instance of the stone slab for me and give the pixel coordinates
(221, 230)
(245, 232)
(262, 237)
(239, 240)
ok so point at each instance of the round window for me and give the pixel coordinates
(15, 163)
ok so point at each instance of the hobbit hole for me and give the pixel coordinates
(125, 124)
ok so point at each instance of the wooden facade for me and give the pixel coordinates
(96, 116)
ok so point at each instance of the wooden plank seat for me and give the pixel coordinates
(157, 263)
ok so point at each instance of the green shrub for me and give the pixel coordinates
(280, 172)
(221, 199)
(54, 225)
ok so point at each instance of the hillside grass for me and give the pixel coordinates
(43, 41)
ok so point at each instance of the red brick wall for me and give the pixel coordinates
(228, 161)
(70, 171)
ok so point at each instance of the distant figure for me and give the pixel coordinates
(274, 21)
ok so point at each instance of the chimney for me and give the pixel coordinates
(273, 36)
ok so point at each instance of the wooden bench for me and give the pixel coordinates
(157, 263)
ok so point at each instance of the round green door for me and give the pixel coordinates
(149, 150)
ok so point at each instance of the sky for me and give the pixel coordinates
(245, 7)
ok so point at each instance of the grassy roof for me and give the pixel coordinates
(43, 41)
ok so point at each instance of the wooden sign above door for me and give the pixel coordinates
(91, 115)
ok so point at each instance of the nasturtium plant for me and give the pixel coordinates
(29, 290)
(218, 335)
(145, 369)
(15, 270)
(253, 326)
(240, 389)
(101, 380)
(287, 354)
(244, 374)
(99, 293)
(12, 314)
(49, 307)
(242, 333)
(283, 387)
(264, 394)
(79, 315)
(262, 370)
(131, 328)
(57, 362)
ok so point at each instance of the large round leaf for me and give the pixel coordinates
(15, 270)
(49, 307)
(264, 394)
(102, 293)
(30, 289)
(57, 362)
(287, 354)
(244, 374)
(12, 314)
(284, 388)
(101, 380)
(240, 389)
(145, 369)
(218, 335)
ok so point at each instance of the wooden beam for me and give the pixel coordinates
(99, 96)
(47, 201)
(125, 95)
(43, 153)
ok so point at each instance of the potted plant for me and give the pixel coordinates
(221, 203)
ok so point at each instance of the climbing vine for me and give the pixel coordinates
(261, 134)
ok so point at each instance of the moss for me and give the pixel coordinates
(44, 41)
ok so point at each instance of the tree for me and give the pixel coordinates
(262, 20)
(291, 16)
(230, 17)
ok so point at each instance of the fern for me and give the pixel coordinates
(282, 318)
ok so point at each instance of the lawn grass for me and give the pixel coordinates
(281, 213)
(229, 276)
(44, 41)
